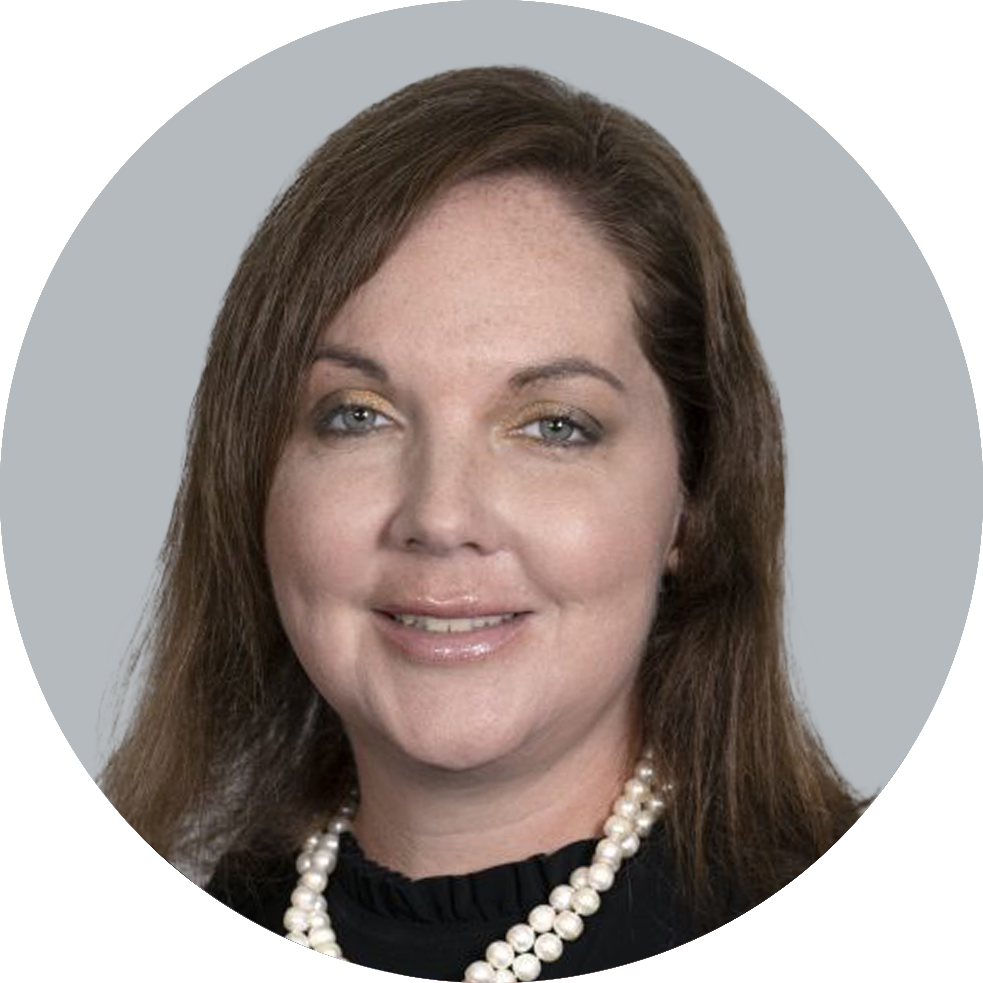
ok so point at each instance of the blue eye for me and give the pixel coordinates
(351, 420)
(561, 431)
(356, 420)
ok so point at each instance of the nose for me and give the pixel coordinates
(446, 499)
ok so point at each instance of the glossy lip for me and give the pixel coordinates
(444, 648)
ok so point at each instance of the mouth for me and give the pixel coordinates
(445, 626)
(443, 641)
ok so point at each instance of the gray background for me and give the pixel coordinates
(884, 478)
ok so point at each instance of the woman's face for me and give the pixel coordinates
(479, 435)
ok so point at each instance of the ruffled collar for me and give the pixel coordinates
(502, 892)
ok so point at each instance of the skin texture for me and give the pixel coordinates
(455, 485)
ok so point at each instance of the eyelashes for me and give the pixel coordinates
(547, 425)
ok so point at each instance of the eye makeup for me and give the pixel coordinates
(583, 429)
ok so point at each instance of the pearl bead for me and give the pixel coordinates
(541, 918)
(479, 972)
(499, 955)
(560, 897)
(295, 919)
(319, 936)
(323, 860)
(568, 925)
(548, 947)
(521, 937)
(526, 967)
(644, 822)
(316, 880)
(657, 805)
(609, 852)
(617, 827)
(601, 876)
(303, 897)
(579, 878)
(585, 901)
(528, 945)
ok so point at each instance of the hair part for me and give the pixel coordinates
(232, 747)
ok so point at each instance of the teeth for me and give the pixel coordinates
(451, 624)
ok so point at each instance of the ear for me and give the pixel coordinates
(678, 531)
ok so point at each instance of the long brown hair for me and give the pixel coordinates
(231, 746)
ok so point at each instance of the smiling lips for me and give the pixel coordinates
(448, 625)
(462, 604)
(447, 640)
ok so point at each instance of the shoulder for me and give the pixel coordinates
(257, 885)
(87, 900)
(796, 935)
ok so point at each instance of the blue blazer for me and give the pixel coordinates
(114, 911)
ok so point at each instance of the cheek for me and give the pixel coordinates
(602, 534)
(317, 534)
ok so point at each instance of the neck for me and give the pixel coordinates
(456, 822)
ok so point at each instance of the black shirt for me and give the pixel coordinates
(435, 927)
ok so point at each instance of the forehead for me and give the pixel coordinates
(499, 270)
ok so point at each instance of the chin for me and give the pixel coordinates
(463, 745)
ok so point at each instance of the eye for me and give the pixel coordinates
(351, 420)
(561, 431)
(357, 419)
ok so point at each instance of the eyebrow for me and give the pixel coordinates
(557, 368)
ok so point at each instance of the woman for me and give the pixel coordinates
(471, 609)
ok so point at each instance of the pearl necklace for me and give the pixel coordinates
(519, 956)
